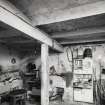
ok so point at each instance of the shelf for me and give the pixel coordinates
(33, 81)
(82, 72)
(35, 72)
(75, 87)
(30, 74)
(79, 57)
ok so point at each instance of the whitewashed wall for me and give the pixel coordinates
(6, 55)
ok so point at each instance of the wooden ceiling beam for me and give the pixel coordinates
(81, 32)
(23, 42)
(12, 19)
(8, 34)
(24, 47)
(82, 41)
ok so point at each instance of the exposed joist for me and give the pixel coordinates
(81, 32)
(25, 47)
(23, 42)
(12, 33)
(71, 13)
(14, 21)
(82, 41)
(9, 33)
(2, 41)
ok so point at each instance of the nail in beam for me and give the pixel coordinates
(44, 75)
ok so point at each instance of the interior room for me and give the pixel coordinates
(52, 52)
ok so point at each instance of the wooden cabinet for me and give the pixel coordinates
(83, 80)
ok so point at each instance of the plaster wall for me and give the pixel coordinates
(50, 11)
(6, 55)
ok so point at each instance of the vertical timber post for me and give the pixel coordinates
(44, 75)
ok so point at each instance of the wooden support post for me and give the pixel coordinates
(44, 75)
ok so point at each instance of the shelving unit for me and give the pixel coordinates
(32, 79)
(82, 80)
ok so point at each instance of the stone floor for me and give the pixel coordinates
(34, 103)
(27, 103)
(53, 103)
(68, 103)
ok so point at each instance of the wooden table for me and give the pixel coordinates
(17, 95)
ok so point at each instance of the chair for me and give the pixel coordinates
(58, 94)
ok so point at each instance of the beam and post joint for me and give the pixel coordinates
(22, 25)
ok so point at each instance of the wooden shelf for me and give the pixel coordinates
(35, 72)
(79, 57)
(30, 74)
(33, 81)
(82, 73)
